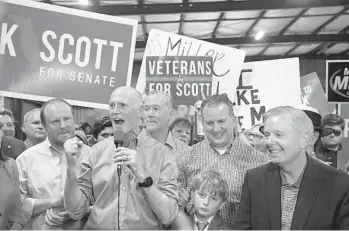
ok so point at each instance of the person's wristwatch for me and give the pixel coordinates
(148, 182)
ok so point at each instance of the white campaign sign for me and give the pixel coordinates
(264, 85)
(226, 62)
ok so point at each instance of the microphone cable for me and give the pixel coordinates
(119, 187)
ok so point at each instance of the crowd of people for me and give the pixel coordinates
(279, 174)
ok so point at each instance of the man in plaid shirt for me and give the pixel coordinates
(221, 151)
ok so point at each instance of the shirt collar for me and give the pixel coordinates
(170, 140)
(49, 146)
(144, 140)
(234, 141)
(296, 184)
(209, 220)
(217, 152)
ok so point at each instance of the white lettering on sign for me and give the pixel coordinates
(340, 83)
(83, 46)
(83, 41)
(69, 58)
(192, 89)
(166, 87)
(346, 71)
(180, 67)
(6, 39)
(53, 74)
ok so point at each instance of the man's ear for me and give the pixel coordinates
(316, 136)
(23, 128)
(305, 139)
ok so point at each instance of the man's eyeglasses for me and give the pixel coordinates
(329, 131)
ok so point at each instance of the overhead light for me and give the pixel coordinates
(84, 2)
(259, 35)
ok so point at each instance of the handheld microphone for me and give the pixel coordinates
(119, 142)
(119, 138)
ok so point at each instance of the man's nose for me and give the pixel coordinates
(216, 127)
(63, 124)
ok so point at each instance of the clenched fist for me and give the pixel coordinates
(72, 147)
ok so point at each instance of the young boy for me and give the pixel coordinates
(210, 192)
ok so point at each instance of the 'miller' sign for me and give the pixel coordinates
(337, 81)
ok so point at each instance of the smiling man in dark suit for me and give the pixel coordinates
(293, 191)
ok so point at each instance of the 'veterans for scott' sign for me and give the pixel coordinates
(337, 81)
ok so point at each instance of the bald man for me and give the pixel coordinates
(143, 194)
(33, 128)
(158, 108)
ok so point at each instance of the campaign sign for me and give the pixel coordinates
(337, 81)
(48, 51)
(191, 66)
(313, 94)
(264, 85)
(183, 77)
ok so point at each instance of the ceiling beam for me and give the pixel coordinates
(271, 57)
(256, 21)
(236, 19)
(323, 47)
(181, 20)
(219, 6)
(330, 20)
(180, 30)
(344, 30)
(144, 25)
(336, 38)
(283, 31)
(293, 21)
(217, 25)
(293, 48)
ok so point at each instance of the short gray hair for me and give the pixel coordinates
(297, 117)
(26, 116)
(167, 96)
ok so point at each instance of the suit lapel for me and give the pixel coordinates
(215, 223)
(307, 194)
(273, 188)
